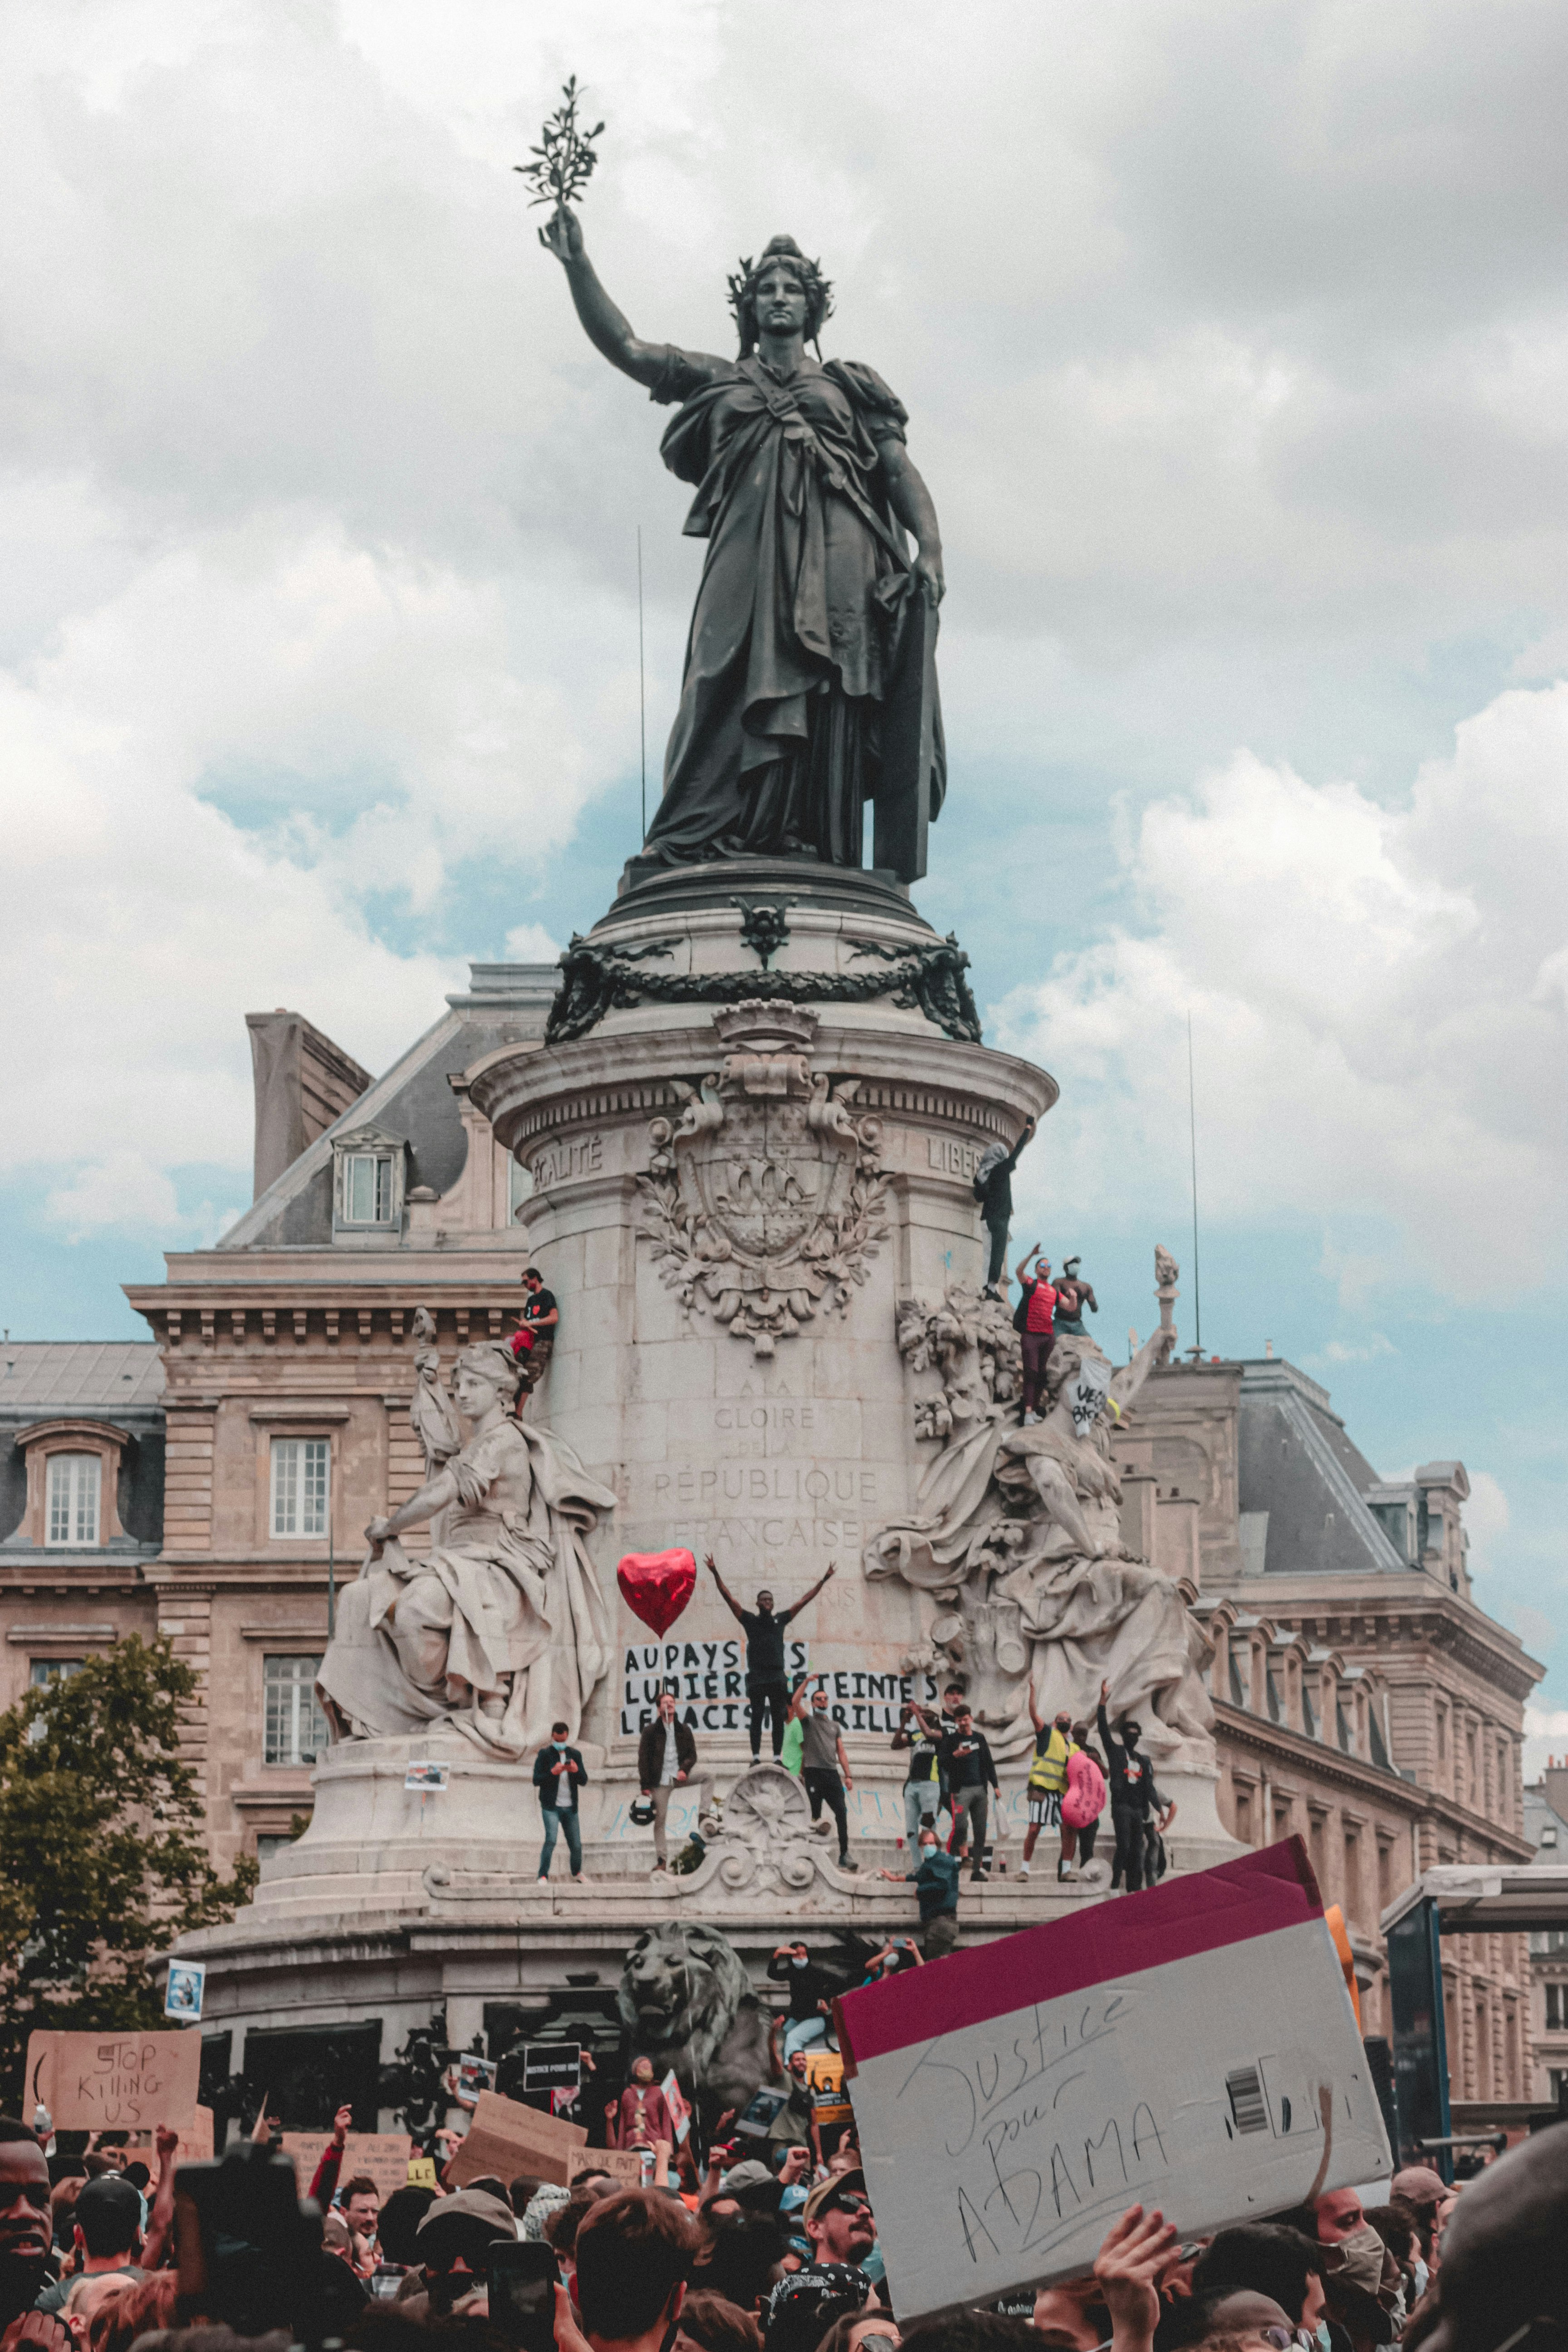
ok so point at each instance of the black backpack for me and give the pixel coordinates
(1021, 1312)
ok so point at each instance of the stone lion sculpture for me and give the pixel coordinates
(686, 2003)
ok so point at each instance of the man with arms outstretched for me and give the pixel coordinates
(767, 1692)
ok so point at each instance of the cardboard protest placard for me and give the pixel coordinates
(506, 2138)
(115, 2082)
(196, 2142)
(675, 2099)
(623, 2165)
(1191, 2048)
(422, 2172)
(756, 2119)
(468, 2077)
(384, 2156)
(825, 2077)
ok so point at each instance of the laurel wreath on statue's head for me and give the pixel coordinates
(818, 290)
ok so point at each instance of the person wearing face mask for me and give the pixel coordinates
(667, 1760)
(558, 1773)
(1395, 2225)
(811, 1993)
(1133, 1797)
(1426, 2192)
(1362, 2280)
(1264, 2259)
(935, 1878)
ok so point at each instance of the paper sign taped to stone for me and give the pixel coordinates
(1191, 2048)
(383, 2157)
(115, 2082)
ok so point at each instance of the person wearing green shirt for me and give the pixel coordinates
(795, 1728)
(935, 1883)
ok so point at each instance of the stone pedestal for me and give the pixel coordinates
(740, 1169)
(752, 1134)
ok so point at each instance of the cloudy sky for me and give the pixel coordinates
(1235, 336)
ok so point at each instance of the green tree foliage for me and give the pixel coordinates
(102, 1857)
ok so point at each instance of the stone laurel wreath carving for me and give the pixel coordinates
(766, 1200)
(926, 979)
(1017, 1536)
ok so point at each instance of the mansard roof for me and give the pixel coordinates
(48, 1378)
(1302, 1473)
(505, 1004)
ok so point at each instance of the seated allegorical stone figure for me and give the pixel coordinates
(501, 1629)
(1017, 1537)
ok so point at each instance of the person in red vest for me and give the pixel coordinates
(1035, 1319)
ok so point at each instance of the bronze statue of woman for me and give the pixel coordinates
(801, 637)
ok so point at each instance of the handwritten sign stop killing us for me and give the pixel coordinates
(1192, 2048)
(116, 2082)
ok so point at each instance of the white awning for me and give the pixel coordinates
(1488, 1898)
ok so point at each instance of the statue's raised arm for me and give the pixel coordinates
(606, 328)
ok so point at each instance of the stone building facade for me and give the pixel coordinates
(1364, 1699)
(1546, 1826)
(81, 1501)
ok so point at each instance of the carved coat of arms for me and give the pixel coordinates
(765, 1199)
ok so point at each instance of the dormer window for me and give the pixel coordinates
(367, 1188)
(367, 1195)
(74, 1482)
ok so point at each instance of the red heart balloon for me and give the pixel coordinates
(657, 1585)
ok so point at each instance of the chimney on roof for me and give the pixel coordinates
(303, 1086)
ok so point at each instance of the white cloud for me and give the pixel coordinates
(1485, 1520)
(1370, 1040)
(122, 1189)
(124, 1192)
(1244, 381)
(1545, 1738)
(531, 943)
(1351, 1351)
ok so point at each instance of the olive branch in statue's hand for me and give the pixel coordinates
(562, 167)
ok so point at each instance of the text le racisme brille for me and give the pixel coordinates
(1004, 2101)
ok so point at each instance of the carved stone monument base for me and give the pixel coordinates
(753, 1146)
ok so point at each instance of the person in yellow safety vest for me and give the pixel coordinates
(1047, 1781)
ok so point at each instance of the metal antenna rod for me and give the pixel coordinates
(642, 692)
(1193, 1130)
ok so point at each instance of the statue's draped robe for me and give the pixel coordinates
(1084, 1617)
(777, 744)
(507, 1587)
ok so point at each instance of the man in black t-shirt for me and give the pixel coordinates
(970, 1771)
(767, 1690)
(922, 1735)
(1133, 1800)
(541, 1319)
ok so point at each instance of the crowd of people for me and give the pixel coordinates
(950, 1782)
(774, 2250)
